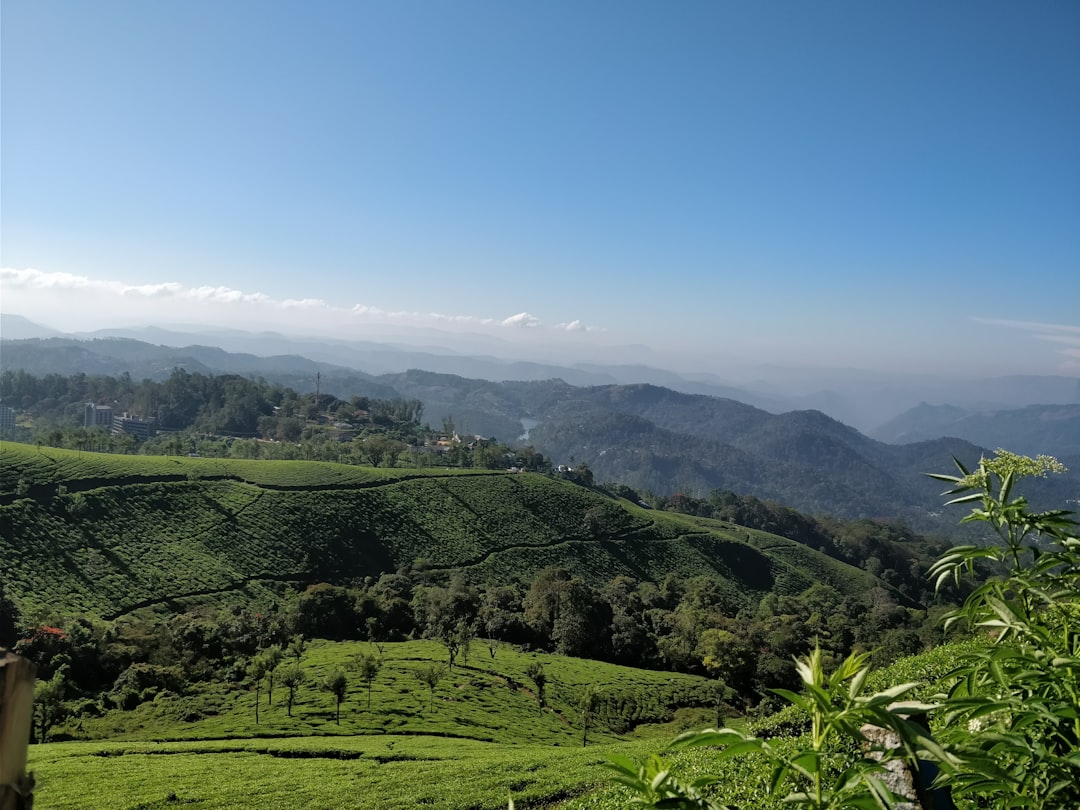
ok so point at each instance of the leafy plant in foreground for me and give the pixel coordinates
(1013, 711)
(1010, 723)
(830, 771)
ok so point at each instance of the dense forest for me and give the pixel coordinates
(690, 625)
(237, 417)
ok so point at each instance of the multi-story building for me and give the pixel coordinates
(98, 416)
(7, 420)
(138, 426)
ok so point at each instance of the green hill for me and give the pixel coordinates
(101, 535)
(409, 746)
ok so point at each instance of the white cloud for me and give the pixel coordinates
(1065, 335)
(77, 302)
(222, 295)
(522, 319)
(305, 303)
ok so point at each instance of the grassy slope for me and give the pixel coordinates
(484, 738)
(538, 759)
(133, 530)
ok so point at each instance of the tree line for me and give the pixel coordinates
(230, 416)
(685, 624)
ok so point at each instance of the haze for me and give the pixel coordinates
(892, 187)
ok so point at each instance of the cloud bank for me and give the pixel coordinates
(75, 302)
(1067, 336)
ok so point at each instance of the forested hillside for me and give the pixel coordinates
(347, 552)
(650, 438)
(1052, 429)
(100, 534)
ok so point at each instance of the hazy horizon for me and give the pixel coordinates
(694, 187)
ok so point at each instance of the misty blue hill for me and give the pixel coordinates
(373, 357)
(116, 355)
(16, 327)
(861, 398)
(647, 436)
(1050, 429)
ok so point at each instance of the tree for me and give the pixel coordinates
(588, 703)
(337, 684)
(273, 657)
(535, 672)
(583, 622)
(430, 677)
(381, 451)
(446, 614)
(292, 677)
(465, 632)
(49, 702)
(296, 647)
(256, 671)
(727, 657)
(372, 624)
(368, 667)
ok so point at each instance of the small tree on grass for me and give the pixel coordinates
(337, 684)
(368, 667)
(273, 657)
(49, 702)
(292, 677)
(465, 633)
(588, 703)
(296, 647)
(256, 671)
(452, 641)
(535, 672)
(373, 634)
(430, 676)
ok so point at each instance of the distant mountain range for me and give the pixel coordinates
(644, 435)
(1050, 429)
(864, 399)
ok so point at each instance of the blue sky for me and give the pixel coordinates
(880, 185)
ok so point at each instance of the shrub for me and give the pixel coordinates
(1010, 721)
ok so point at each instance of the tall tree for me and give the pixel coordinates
(292, 677)
(296, 647)
(256, 671)
(368, 667)
(535, 672)
(588, 702)
(430, 677)
(337, 684)
(273, 657)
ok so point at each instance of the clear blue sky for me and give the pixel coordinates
(869, 184)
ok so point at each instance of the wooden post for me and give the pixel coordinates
(16, 714)
(912, 781)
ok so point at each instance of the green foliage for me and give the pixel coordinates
(1013, 710)
(336, 682)
(536, 674)
(291, 677)
(385, 771)
(367, 667)
(49, 703)
(1009, 725)
(830, 771)
(149, 534)
(588, 703)
(431, 675)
